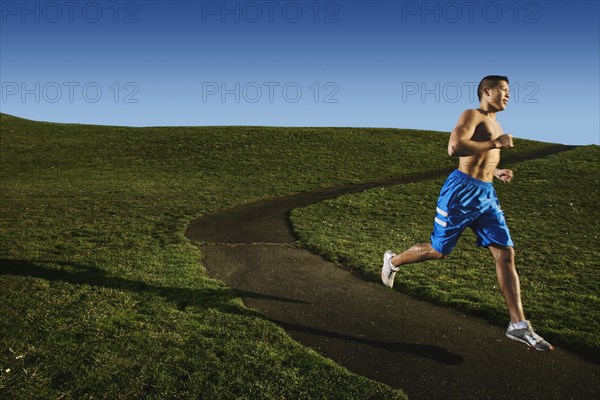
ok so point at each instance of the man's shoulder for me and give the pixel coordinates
(473, 112)
(471, 115)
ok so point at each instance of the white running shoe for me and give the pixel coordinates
(529, 337)
(388, 271)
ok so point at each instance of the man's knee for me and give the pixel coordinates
(436, 254)
(503, 253)
(509, 252)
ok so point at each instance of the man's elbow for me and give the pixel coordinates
(452, 150)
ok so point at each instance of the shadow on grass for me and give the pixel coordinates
(220, 298)
(79, 274)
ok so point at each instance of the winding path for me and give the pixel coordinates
(430, 352)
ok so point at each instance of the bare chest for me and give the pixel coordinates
(487, 129)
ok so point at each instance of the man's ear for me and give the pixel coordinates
(486, 93)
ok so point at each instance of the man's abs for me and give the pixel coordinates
(480, 166)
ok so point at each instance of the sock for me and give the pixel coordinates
(394, 268)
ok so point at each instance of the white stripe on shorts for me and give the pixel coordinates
(441, 212)
(442, 223)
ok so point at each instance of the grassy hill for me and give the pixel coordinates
(102, 295)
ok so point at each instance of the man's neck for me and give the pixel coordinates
(488, 111)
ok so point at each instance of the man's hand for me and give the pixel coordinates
(505, 175)
(504, 141)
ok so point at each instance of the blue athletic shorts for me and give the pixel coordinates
(468, 202)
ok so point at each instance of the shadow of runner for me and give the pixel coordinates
(434, 353)
(181, 297)
(184, 297)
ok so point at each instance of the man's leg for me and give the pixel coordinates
(444, 235)
(519, 329)
(508, 279)
(418, 253)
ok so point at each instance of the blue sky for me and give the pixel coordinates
(399, 64)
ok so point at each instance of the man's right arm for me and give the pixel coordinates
(461, 143)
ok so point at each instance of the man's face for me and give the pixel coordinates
(498, 96)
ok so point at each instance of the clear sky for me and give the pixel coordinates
(399, 64)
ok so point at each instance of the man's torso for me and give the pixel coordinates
(483, 165)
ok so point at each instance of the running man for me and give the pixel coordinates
(468, 199)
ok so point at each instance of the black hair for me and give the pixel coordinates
(490, 81)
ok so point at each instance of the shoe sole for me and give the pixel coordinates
(383, 277)
(527, 343)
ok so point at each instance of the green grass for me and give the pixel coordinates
(552, 210)
(104, 297)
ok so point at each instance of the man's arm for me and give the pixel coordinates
(460, 143)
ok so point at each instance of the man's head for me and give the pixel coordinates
(494, 90)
